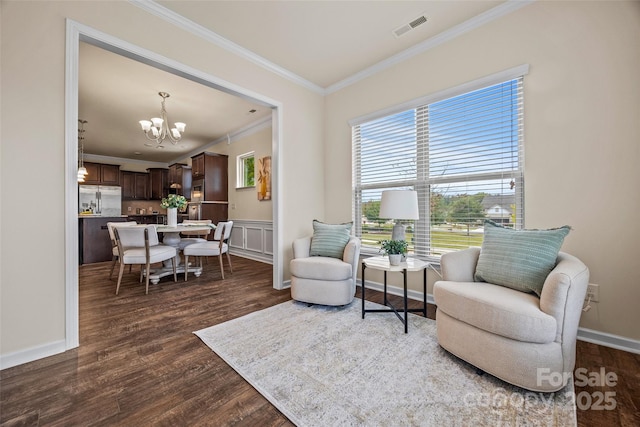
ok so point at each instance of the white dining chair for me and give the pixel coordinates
(114, 244)
(140, 245)
(216, 247)
(198, 236)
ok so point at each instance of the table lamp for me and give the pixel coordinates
(399, 205)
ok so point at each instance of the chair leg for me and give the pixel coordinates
(120, 277)
(229, 259)
(113, 266)
(186, 267)
(175, 270)
(221, 267)
(141, 272)
(147, 285)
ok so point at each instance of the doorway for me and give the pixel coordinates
(75, 34)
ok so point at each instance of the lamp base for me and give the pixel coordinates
(398, 232)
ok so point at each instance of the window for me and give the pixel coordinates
(245, 170)
(463, 154)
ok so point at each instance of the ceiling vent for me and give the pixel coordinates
(404, 29)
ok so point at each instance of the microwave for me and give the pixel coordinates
(197, 190)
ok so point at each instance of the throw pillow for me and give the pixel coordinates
(329, 239)
(518, 259)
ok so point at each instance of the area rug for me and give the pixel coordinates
(326, 366)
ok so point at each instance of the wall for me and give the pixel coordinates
(582, 103)
(32, 311)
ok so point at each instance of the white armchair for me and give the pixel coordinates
(515, 336)
(324, 280)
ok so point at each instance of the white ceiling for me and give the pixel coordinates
(322, 43)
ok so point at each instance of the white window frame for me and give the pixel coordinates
(421, 182)
(240, 170)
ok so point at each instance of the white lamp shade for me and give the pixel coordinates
(157, 122)
(175, 133)
(399, 204)
(146, 125)
(180, 126)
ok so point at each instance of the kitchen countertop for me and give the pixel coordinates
(101, 216)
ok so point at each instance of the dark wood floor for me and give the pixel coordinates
(140, 364)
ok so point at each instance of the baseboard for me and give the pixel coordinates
(589, 335)
(609, 340)
(286, 284)
(30, 354)
(251, 256)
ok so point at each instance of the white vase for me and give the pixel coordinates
(172, 217)
(394, 259)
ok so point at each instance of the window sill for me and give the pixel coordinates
(245, 188)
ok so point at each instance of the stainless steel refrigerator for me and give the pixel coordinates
(105, 200)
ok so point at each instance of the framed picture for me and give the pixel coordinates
(264, 178)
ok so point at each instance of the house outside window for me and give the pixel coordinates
(245, 170)
(463, 154)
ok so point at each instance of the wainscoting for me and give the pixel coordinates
(252, 239)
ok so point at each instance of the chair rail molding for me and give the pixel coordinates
(252, 239)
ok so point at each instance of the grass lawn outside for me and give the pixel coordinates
(443, 239)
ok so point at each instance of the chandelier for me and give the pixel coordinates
(157, 130)
(82, 171)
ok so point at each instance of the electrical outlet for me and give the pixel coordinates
(593, 291)
(128, 208)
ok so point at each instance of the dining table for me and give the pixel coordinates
(171, 237)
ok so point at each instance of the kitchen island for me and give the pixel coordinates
(93, 238)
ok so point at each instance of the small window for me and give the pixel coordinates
(246, 170)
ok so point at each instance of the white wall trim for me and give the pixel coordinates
(609, 340)
(443, 37)
(30, 354)
(589, 335)
(74, 33)
(120, 160)
(213, 37)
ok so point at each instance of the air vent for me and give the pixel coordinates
(404, 29)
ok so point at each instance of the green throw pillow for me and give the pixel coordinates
(518, 259)
(329, 239)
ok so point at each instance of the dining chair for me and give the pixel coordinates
(198, 236)
(140, 245)
(114, 244)
(216, 247)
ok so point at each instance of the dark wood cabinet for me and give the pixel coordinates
(213, 182)
(180, 179)
(102, 174)
(158, 183)
(110, 174)
(135, 185)
(94, 240)
(197, 166)
(213, 171)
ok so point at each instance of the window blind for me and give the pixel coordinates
(464, 157)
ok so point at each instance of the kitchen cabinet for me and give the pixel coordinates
(158, 183)
(135, 185)
(94, 240)
(102, 174)
(197, 166)
(213, 173)
(180, 179)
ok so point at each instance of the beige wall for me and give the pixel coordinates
(32, 311)
(582, 104)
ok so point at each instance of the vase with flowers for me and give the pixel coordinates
(172, 203)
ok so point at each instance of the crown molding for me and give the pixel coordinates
(443, 37)
(477, 21)
(215, 38)
(98, 158)
(243, 132)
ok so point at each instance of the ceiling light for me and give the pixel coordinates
(157, 130)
